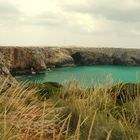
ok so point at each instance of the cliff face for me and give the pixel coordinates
(25, 60)
(106, 56)
(91, 58)
(6, 78)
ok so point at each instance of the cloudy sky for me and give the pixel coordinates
(92, 23)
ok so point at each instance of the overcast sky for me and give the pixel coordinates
(92, 23)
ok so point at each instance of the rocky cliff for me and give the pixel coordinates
(107, 56)
(6, 78)
(26, 60)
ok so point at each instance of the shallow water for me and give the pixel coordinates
(88, 76)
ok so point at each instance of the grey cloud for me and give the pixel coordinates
(9, 13)
(111, 13)
(45, 19)
(119, 25)
(7, 9)
(107, 10)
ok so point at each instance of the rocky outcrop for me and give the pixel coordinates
(6, 78)
(3, 66)
(126, 57)
(91, 58)
(24, 60)
(58, 57)
(28, 60)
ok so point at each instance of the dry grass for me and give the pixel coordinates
(74, 114)
(24, 117)
(96, 115)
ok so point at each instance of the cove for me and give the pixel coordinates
(88, 76)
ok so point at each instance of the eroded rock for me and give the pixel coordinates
(28, 60)
(6, 78)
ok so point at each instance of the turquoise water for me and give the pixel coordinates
(88, 76)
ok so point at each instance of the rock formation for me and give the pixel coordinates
(6, 78)
(26, 60)
(107, 56)
(91, 58)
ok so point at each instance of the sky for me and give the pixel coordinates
(81, 23)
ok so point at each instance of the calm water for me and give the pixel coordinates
(88, 76)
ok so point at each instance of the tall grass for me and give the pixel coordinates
(70, 114)
(24, 117)
(97, 113)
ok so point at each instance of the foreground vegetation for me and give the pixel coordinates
(51, 111)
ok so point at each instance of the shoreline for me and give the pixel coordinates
(28, 60)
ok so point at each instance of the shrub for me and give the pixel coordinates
(125, 92)
(48, 89)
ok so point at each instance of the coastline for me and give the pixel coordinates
(32, 60)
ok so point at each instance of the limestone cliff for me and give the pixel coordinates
(25, 60)
(6, 78)
(107, 56)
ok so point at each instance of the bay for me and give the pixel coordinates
(88, 76)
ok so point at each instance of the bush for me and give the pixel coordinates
(125, 92)
(48, 89)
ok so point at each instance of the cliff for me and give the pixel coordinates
(107, 56)
(6, 78)
(26, 60)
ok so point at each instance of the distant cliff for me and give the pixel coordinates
(107, 56)
(26, 60)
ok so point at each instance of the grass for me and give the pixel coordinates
(23, 116)
(70, 113)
